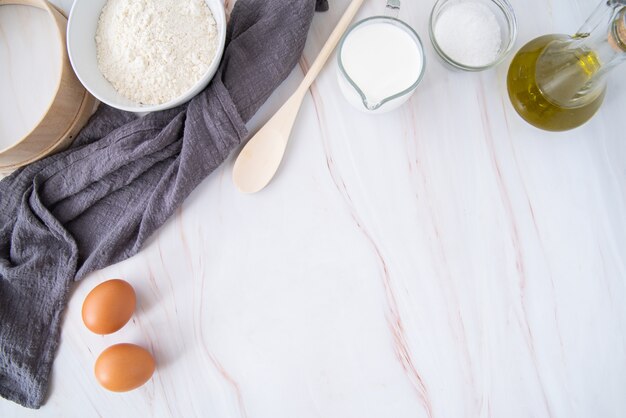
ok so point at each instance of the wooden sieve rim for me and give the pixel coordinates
(60, 22)
(86, 108)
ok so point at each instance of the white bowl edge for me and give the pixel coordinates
(81, 48)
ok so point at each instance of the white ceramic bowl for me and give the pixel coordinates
(81, 46)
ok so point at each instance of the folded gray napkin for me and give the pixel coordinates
(97, 203)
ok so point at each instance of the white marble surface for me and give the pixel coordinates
(445, 260)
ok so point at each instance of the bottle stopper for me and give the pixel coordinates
(617, 34)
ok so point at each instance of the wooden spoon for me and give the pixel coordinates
(259, 159)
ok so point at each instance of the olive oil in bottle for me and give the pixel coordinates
(557, 82)
(539, 109)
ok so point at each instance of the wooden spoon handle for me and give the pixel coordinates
(330, 45)
(260, 158)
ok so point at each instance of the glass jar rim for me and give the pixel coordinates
(509, 14)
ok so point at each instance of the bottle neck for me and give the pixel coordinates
(572, 71)
(604, 33)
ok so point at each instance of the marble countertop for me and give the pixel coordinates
(444, 260)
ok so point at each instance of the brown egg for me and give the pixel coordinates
(124, 367)
(109, 306)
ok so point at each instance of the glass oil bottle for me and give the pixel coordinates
(558, 82)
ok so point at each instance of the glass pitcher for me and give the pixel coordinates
(356, 94)
(558, 82)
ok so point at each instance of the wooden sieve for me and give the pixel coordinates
(65, 115)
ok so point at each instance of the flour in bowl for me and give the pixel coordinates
(153, 51)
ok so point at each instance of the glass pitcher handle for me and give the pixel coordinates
(393, 8)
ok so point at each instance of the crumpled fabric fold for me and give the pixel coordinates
(96, 203)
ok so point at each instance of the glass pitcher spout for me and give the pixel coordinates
(370, 104)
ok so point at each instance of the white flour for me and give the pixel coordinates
(469, 33)
(153, 51)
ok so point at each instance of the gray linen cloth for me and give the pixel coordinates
(97, 203)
